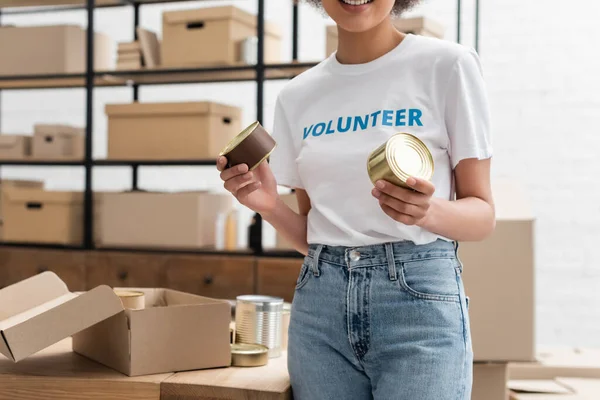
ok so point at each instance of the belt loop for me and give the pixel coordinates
(389, 252)
(315, 263)
(460, 264)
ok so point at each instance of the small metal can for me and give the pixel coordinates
(402, 156)
(258, 321)
(249, 355)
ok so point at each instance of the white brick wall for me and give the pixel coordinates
(541, 61)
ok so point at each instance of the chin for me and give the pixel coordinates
(358, 15)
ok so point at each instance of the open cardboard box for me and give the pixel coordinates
(555, 389)
(175, 332)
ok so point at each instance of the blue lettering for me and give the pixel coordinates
(329, 130)
(319, 125)
(359, 121)
(348, 124)
(307, 131)
(400, 118)
(387, 117)
(374, 115)
(415, 116)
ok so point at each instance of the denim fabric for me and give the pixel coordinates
(384, 322)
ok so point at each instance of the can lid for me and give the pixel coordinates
(239, 138)
(248, 349)
(408, 156)
(259, 299)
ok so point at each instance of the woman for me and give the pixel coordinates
(379, 310)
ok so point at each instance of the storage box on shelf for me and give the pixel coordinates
(418, 26)
(170, 131)
(58, 141)
(213, 36)
(52, 49)
(14, 147)
(9, 184)
(40, 216)
(183, 220)
(499, 280)
(129, 55)
(134, 342)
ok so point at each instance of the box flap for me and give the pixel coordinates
(35, 329)
(36, 198)
(542, 386)
(20, 183)
(30, 293)
(172, 108)
(56, 129)
(586, 388)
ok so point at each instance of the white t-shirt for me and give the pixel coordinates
(329, 118)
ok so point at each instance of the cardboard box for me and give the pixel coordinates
(52, 49)
(554, 362)
(41, 216)
(175, 332)
(163, 131)
(418, 26)
(8, 184)
(160, 220)
(490, 381)
(499, 279)
(14, 147)
(555, 389)
(213, 36)
(58, 141)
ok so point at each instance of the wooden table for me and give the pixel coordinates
(58, 373)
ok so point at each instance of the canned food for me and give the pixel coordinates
(258, 321)
(285, 324)
(249, 355)
(402, 156)
(251, 146)
(131, 299)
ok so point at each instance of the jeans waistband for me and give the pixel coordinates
(403, 251)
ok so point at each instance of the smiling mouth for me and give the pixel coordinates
(356, 2)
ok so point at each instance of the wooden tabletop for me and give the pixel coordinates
(58, 373)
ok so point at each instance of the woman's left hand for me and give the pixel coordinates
(409, 207)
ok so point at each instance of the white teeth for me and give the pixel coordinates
(356, 2)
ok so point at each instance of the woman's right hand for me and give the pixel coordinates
(255, 189)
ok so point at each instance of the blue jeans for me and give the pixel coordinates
(383, 322)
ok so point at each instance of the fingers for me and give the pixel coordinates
(228, 173)
(247, 190)
(421, 185)
(400, 193)
(398, 216)
(412, 210)
(236, 183)
(221, 163)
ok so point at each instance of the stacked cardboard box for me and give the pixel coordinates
(49, 141)
(129, 56)
(6, 185)
(498, 275)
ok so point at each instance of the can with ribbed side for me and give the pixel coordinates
(402, 156)
(258, 321)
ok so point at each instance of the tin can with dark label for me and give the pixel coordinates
(249, 355)
(258, 321)
(402, 156)
(251, 146)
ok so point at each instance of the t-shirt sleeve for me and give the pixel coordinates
(467, 111)
(283, 159)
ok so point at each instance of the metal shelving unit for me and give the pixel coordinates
(91, 80)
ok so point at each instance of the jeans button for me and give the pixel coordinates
(354, 255)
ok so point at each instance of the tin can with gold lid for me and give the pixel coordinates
(402, 156)
(249, 355)
(251, 146)
(131, 299)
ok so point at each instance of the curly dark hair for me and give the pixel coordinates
(400, 6)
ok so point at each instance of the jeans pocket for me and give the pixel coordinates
(430, 279)
(304, 274)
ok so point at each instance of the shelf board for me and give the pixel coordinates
(38, 162)
(118, 163)
(202, 251)
(56, 246)
(155, 76)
